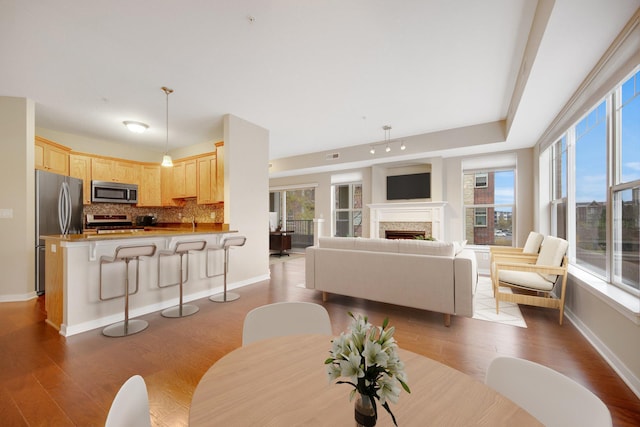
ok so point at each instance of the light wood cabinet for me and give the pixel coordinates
(150, 193)
(105, 169)
(166, 187)
(127, 172)
(219, 172)
(185, 179)
(207, 179)
(211, 177)
(80, 167)
(50, 156)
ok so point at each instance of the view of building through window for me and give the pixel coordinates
(489, 198)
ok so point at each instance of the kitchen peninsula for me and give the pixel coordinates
(73, 275)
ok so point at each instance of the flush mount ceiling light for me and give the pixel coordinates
(136, 127)
(166, 158)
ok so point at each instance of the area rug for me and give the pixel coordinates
(484, 306)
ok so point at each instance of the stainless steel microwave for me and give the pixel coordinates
(113, 192)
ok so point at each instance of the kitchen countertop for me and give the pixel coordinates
(135, 234)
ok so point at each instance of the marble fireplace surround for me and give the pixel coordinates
(427, 216)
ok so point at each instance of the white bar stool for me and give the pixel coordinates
(181, 248)
(126, 254)
(225, 244)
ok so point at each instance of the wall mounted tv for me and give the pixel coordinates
(413, 186)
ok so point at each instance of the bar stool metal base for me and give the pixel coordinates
(119, 330)
(224, 297)
(180, 311)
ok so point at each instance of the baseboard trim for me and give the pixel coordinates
(610, 357)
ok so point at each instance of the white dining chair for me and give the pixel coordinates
(285, 318)
(130, 407)
(553, 398)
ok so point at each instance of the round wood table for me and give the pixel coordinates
(282, 382)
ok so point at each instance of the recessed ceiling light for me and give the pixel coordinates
(136, 127)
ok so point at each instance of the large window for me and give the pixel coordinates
(591, 189)
(559, 187)
(599, 158)
(489, 199)
(347, 210)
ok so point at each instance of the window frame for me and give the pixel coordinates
(489, 208)
(351, 210)
(614, 186)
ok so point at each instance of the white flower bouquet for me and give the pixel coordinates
(367, 355)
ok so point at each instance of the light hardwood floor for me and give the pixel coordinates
(47, 380)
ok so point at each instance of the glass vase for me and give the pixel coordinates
(364, 413)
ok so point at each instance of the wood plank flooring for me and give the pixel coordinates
(47, 380)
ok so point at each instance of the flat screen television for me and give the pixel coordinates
(413, 186)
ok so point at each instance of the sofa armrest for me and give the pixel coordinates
(310, 264)
(465, 278)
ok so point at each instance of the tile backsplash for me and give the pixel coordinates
(186, 213)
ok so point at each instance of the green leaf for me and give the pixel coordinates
(385, 322)
(329, 360)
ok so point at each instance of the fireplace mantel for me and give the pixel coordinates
(432, 212)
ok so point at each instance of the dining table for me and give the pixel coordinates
(283, 382)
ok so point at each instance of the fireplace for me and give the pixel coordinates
(403, 234)
(427, 217)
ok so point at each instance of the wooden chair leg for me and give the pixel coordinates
(324, 296)
(447, 320)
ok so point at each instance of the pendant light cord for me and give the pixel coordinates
(167, 91)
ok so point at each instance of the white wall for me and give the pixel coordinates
(101, 147)
(446, 185)
(17, 251)
(246, 197)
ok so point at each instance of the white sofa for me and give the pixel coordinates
(434, 276)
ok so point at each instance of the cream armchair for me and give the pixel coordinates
(529, 251)
(534, 281)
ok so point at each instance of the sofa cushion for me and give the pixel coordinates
(376, 245)
(337, 242)
(425, 247)
(459, 246)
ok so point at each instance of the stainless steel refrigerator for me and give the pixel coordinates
(58, 211)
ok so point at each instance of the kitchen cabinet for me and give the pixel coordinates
(207, 179)
(149, 192)
(80, 167)
(219, 193)
(166, 187)
(105, 169)
(51, 157)
(185, 179)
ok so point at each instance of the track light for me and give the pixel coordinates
(387, 142)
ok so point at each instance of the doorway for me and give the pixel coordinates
(293, 210)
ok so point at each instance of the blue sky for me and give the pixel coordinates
(591, 154)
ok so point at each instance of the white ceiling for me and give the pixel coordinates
(319, 75)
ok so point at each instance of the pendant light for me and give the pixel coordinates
(166, 159)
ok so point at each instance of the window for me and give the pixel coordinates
(559, 187)
(595, 172)
(481, 180)
(591, 190)
(347, 210)
(480, 217)
(489, 200)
